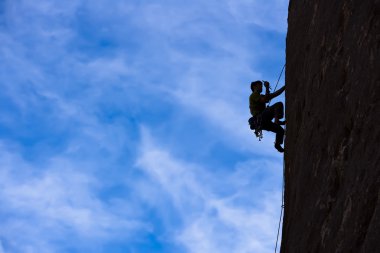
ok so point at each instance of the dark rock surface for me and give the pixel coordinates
(332, 176)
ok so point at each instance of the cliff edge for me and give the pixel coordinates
(332, 159)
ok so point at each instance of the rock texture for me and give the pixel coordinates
(332, 175)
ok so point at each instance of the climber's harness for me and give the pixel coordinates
(255, 123)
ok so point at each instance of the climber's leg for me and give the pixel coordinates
(276, 112)
(275, 128)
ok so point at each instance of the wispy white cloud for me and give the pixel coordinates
(270, 15)
(227, 214)
(58, 200)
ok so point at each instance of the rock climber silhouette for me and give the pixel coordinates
(262, 116)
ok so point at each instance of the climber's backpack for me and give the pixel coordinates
(255, 125)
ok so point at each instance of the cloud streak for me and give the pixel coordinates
(56, 202)
(223, 208)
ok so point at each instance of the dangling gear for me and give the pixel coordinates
(255, 124)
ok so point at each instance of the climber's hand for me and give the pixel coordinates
(266, 84)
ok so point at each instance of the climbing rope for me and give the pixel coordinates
(283, 171)
(283, 174)
(282, 203)
(279, 77)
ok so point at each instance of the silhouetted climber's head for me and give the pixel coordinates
(257, 85)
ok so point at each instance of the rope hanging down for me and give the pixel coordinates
(282, 204)
(283, 176)
(279, 77)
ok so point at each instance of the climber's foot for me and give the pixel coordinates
(279, 148)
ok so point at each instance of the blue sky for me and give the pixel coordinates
(123, 126)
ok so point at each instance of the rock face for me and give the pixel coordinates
(332, 175)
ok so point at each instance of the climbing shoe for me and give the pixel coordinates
(279, 148)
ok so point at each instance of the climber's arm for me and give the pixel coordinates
(276, 93)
